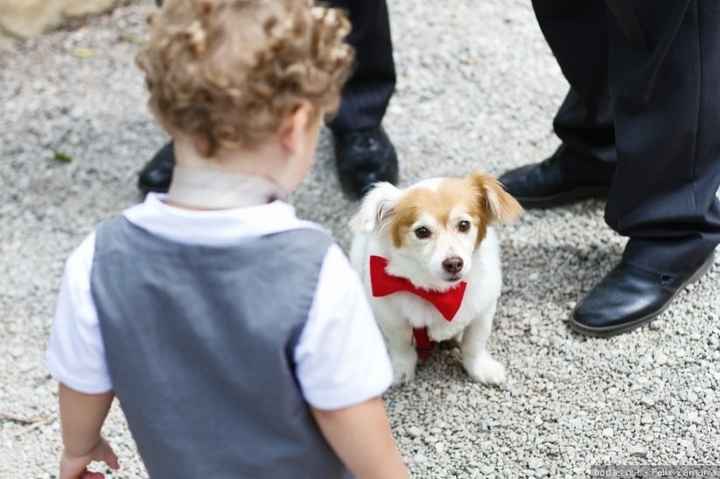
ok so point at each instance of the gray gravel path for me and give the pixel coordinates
(478, 88)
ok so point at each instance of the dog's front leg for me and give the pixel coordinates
(477, 360)
(403, 356)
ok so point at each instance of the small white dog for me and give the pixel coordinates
(430, 261)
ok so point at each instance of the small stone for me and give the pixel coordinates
(542, 472)
(487, 470)
(535, 464)
(552, 439)
(638, 451)
(414, 431)
(657, 325)
(646, 419)
(646, 401)
(419, 458)
(608, 432)
(660, 359)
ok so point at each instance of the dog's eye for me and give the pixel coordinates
(423, 232)
(464, 226)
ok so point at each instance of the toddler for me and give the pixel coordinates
(235, 336)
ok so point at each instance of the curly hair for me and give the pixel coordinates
(230, 71)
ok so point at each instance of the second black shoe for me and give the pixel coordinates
(364, 157)
(562, 179)
(628, 297)
(156, 175)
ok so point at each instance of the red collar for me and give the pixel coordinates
(447, 303)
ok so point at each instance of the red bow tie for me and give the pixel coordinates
(383, 284)
(447, 303)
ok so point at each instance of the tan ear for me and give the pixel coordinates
(500, 204)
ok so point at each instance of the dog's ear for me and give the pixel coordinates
(498, 203)
(376, 208)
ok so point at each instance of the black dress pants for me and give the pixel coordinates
(368, 92)
(644, 105)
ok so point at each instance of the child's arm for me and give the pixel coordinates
(360, 435)
(82, 416)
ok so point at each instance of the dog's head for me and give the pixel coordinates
(432, 228)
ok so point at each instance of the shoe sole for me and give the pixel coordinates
(609, 331)
(564, 198)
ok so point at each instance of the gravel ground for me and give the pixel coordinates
(478, 88)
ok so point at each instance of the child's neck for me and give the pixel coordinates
(203, 188)
(199, 184)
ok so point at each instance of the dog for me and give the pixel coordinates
(429, 258)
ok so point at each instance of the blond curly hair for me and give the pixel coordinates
(230, 71)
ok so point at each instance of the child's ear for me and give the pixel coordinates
(203, 146)
(498, 203)
(376, 208)
(293, 129)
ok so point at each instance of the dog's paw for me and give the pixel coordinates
(403, 365)
(485, 369)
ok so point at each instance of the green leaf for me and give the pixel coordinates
(60, 156)
(83, 53)
(131, 38)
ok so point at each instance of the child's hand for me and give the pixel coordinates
(75, 467)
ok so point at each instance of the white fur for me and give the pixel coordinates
(420, 262)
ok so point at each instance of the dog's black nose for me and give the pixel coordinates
(453, 265)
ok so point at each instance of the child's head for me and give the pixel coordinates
(236, 76)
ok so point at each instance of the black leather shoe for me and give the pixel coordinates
(157, 173)
(628, 297)
(364, 157)
(549, 183)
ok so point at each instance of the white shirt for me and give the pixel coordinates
(340, 357)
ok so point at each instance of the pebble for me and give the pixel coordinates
(535, 464)
(637, 451)
(657, 325)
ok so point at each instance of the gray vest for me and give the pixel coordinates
(199, 343)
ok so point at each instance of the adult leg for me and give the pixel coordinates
(583, 165)
(364, 153)
(663, 196)
(668, 119)
(367, 93)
